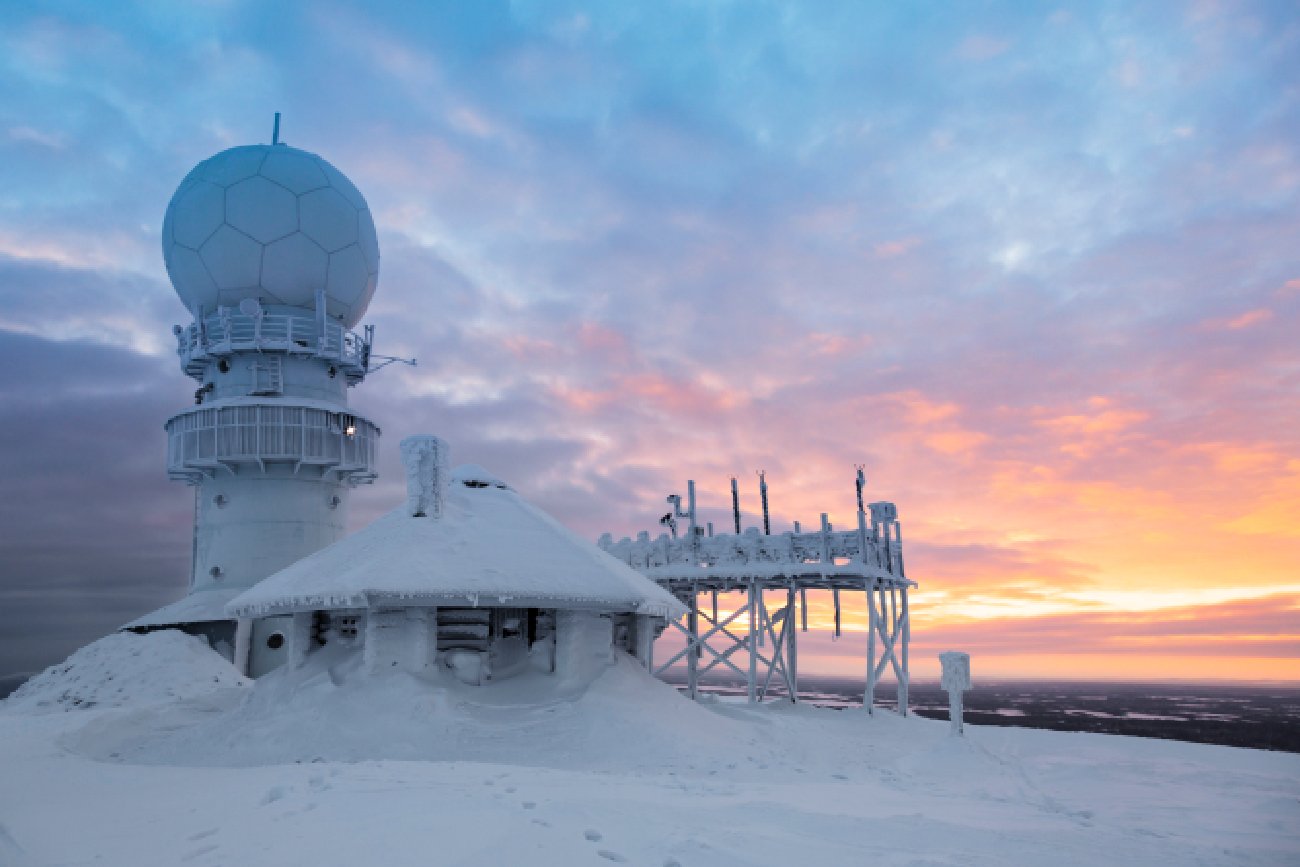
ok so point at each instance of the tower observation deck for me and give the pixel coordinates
(273, 252)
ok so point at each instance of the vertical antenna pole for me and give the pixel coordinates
(275, 133)
(826, 543)
(861, 483)
(735, 504)
(762, 491)
(690, 494)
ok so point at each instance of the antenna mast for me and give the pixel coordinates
(275, 133)
(735, 504)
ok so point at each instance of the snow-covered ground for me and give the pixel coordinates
(324, 766)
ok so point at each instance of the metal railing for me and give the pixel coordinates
(229, 330)
(203, 441)
(829, 548)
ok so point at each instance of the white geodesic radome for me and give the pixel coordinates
(273, 223)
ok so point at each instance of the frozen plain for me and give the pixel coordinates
(178, 760)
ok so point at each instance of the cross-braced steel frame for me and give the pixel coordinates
(757, 640)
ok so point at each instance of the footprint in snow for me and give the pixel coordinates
(200, 835)
(593, 835)
(275, 793)
(611, 856)
(529, 805)
(199, 852)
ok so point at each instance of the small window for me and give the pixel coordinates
(275, 640)
(348, 627)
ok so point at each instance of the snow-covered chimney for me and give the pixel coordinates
(425, 461)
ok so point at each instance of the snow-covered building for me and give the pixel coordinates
(273, 252)
(467, 575)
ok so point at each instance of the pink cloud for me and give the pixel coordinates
(1242, 321)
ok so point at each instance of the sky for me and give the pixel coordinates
(1036, 266)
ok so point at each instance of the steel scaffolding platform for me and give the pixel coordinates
(759, 565)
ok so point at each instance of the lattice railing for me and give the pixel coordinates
(203, 440)
(228, 331)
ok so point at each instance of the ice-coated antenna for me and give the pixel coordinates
(861, 483)
(762, 491)
(275, 133)
(735, 504)
(384, 360)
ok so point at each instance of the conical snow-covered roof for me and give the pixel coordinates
(488, 547)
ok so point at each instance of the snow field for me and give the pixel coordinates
(324, 767)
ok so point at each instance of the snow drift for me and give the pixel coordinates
(126, 670)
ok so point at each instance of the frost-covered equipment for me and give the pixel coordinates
(956, 680)
(466, 575)
(786, 565)
(274, 253)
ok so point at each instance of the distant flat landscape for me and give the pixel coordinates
(1259, 716)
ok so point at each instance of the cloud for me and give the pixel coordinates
(640, 244)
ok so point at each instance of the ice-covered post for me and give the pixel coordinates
(735, 504)
(956, 680)
(425, 460)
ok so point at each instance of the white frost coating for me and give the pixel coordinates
(424, 459)
(126, 670)
(584, 646)
(469, 666)
(956, 680)
(956, 671)
(489, 543)
(200, 607)
(272, 223)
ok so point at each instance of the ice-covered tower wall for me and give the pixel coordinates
(274, 253)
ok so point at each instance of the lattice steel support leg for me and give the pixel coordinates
(905, 680)
(792, 649)
(692, 649)
(753, 643)
(869, 698)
